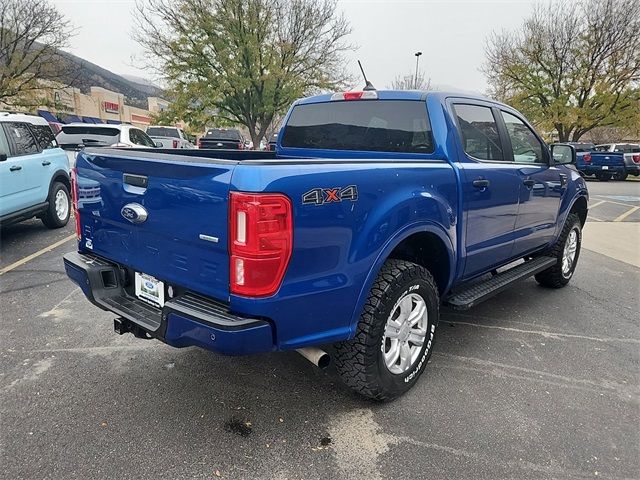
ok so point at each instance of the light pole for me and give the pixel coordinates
(415, 83)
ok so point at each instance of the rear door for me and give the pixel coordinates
(542, 185)
(183, 240)
(491, 188)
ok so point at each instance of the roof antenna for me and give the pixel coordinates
(368, 85)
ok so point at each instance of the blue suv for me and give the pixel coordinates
(34, 172)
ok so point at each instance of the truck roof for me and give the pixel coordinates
(420, 95)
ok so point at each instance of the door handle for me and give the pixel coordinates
(481, 183)
(45, 163)
(14, 168)
(529, 182)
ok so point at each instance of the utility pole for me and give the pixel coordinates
(415, 82)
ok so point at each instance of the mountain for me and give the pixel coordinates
(139, 80)
(84, 75)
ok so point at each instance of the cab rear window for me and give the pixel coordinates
(163, 132)
(400, 126)
(223, 134)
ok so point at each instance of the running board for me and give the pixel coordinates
(478, 292)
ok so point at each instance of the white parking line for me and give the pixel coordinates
(626, 214)
(37, 254)
(597, 203)
(612, 201)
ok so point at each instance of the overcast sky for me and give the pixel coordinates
(451, 35)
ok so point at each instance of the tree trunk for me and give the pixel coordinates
(255, 139)
(563, 135)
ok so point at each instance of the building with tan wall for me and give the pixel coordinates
(99, 106)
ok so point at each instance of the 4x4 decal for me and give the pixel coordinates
(320, 196)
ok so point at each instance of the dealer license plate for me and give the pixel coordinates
(150, 289)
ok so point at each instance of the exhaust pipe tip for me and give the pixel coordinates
(319, 358)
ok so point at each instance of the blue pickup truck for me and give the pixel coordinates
(602, 164)
(376, 208)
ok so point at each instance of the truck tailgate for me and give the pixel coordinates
(611, 159)
(183, 241)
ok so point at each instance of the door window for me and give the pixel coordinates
(526, 146)
(44, 136)
(627, 148)
(20, 136)
(140, 138)
(479, 132)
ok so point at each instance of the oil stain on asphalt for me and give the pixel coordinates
(237, 426)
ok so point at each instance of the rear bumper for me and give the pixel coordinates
(185, 320)
(633, 170)
(593, 169)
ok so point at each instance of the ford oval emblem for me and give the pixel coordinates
(134, 212)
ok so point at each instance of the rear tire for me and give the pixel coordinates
(395, 335)
(566, 250)
(59, 210)
(621, 176)
(603, 177)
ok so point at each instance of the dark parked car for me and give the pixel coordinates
(217, 138)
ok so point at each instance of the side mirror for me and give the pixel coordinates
(3, 157)
(563, 154)
(158, 144)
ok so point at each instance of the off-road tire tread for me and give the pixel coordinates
(353, 358)
(552, 277)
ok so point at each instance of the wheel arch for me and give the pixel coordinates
(62, 177)
(408, 244)
(580, 208)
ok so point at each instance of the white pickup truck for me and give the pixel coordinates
(169, 137)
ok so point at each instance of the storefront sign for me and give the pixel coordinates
(140, 118)
(110, 107)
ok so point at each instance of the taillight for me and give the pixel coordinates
(587, 158)
(175, 144)
(199, 143)
(74, 197)
(260, 242)
(240, 145)
(636, 158)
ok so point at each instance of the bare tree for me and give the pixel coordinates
(411, 82)
(31, 34)
(572, 66)
(243, 61)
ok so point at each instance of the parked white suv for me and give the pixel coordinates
(75, 136)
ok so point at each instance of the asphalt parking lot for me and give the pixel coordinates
(534, 383)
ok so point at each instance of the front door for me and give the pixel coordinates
(491, 189)
(542, 186)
